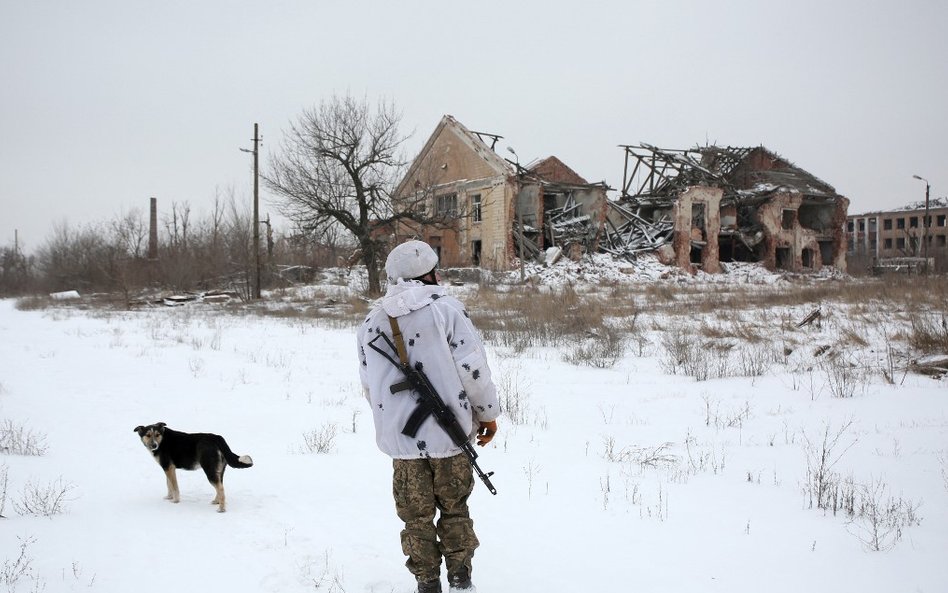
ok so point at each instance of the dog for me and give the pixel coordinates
(182, 450)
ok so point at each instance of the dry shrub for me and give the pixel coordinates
(33, 303)
(524, 319)
(843, 379)
(929, 333)
(684, 355)
(602, 349)
(713, 331)
(17, 439)
(854, 336)
(320, 440)
(43, 500)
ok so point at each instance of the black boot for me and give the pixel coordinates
(430, 587)
(460, 581)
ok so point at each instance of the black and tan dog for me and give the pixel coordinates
(182, 450)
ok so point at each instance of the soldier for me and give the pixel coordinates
(430, 472)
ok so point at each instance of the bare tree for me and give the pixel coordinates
(16, 271)
(129, 232)
(177, 225)
(338, 168)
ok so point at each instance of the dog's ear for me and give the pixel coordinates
(139, 429)
(160, 426)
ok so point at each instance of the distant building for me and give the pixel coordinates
(899, 233)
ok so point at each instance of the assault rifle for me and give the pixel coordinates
(430, 404)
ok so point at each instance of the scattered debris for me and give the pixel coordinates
(570, 225)
(64, 295)
(178, 300)
(301, 274)
(553, 255)
(628, 234)
(934, 365)
(901, 265)
(813, 316)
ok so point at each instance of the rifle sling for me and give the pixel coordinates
(424, 409)
(399, 340)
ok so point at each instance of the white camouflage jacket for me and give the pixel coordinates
(439, 335)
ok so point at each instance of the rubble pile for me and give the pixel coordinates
(633, 234)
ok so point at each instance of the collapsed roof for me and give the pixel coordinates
(763, 208)
(747, 175)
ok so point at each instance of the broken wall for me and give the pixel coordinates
(697, 218)
(802, 234)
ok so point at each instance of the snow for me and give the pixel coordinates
(722, 509)
(602, 268)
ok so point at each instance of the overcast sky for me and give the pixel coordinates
(106, 103)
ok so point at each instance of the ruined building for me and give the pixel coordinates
(491, 207)
(707, 205)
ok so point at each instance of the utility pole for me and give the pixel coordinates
(925, 222)
(256, 209)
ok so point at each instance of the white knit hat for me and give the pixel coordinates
(410, 260)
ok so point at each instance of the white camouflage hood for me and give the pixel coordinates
(406, 296)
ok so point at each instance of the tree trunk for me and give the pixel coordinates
(370, 257)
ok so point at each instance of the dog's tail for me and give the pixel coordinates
(233, 459)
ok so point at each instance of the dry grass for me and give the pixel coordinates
(342, 313)
(595, 325)
(531, 317)
(33, 303)
(929, 333)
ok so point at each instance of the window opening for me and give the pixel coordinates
(476, 208)
(789, 216)
(448, 205)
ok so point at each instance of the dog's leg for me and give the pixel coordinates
(219, 499)
(215, 475)
(170, 495)
(173, 494)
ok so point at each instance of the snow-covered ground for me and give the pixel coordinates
(618, 479)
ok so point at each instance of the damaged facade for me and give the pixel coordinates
(491, 207)
(697, 207)
(710, 204)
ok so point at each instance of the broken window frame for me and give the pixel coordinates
(446, 205)
(476, 215)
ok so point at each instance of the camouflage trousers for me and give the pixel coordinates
(422, 486)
